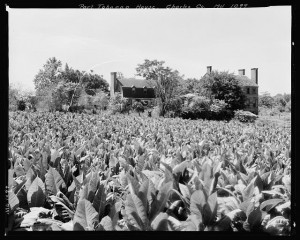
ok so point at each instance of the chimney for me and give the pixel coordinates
(241, 72)
(209, 69)
(254, 75)
(113, 78)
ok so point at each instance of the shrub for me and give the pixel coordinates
(245, 116)
(155, 112)
(174, 107)
(138, 107)
(197, 107)
(21, 105)
(219, 110)
(288, 106)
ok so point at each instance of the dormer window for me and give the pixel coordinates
(133, 88)
(145, 89)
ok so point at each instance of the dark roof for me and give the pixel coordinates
(138, 83)
(139, 93)
(245, 81)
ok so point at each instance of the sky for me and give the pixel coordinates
(188, 40)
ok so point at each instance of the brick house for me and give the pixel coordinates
(133, 89)
(249, 86)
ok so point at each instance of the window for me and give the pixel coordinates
(253, 90)
(145, 89)
(247, 103)
(133, 89)
(248, 90)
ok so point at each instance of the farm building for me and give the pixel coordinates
(133, 89)
(249, 86)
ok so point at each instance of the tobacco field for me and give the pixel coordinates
(81, 172)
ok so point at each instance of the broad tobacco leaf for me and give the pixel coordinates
(54, 182)
(36, 193)
(106, 224)
(136, 212)
(269, 204)
(162, 197)
(92, 186)
(99, 200)
(198, 200)
(160, 223)
(86, 217)
(13, 201)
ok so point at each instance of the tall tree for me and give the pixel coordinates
(223, 86)
(164, 79)
(47, 76)
(266, 100)
(190, 85)
(93, 83)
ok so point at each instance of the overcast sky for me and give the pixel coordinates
(188, 40)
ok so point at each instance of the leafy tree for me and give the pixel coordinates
(288, 106)
(13, 96)
(280, 101)
(21, 105)
(223, 86)
(47, 76)
(164, 79)
(190, 85)
(70, 75)
(287, 97)
(93, 82)
(100, 99)
(265, 100)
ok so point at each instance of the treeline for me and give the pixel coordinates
(214, 96)
(58, 88)
(279, 102)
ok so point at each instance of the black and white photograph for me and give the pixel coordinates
(150, 119)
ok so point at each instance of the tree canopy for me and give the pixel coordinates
(56, 87)
(223, 86)
(165, 80)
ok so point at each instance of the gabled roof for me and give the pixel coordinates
(138, 83)
(245, 81)
(139, 93)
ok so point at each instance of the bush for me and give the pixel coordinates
(118, 104)
(174, 107)
(138, 107)
(21, 105)
(219, 110)
(288, 106)
(155, 112)
(245, 116)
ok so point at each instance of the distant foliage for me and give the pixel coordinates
(175, 106)
(190, 85)
(245, 116)
(166, 81)
(21, 105)
(13, 96)
(224, 86)
(138, 107)
(266, 100)
(57, 87)
(118, 104)
(288, 106)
